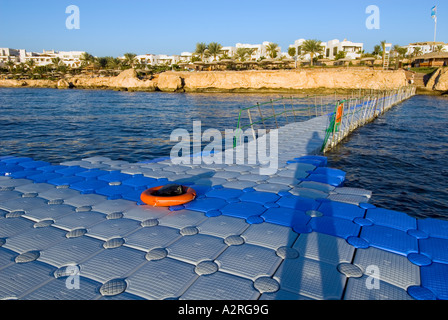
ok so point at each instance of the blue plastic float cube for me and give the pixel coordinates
(433, 277)
(286, 217)
(92, 173)
(260, 197)
(8, 169)
(34, 164)
(330, 172)
(69, 171)
(44, 177)
(322, 178)
(114, 176)
(242, 210)
(224, 193)
(140, 181)
(392, 219)
(390, 239)
(341, 210)
(337, 227)
(89, 185)
(298, 203)
(206, 204)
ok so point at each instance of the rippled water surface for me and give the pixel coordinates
(402, 156)
(59, 125)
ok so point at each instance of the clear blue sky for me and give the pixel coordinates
(114, 27)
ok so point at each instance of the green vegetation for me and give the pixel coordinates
(271, 50)
(312, 47)
(292, 51)
(214, 49)
(425, 70)
(201, 49)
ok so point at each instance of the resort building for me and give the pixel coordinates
(69, 58)
(185, 57)
(351, 49)
(8, 54)
(425, 47)
(433, 59)
(159, 59)
(331, 49)
(145, 59)
(259, 50)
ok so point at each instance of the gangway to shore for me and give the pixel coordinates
(355, 110)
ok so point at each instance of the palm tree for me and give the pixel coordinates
(10, 64)
(417, 51)
(101, 62)
(312, 47)
(112, 63)
(401, 53)
(214, 49)
(201, 49)
(376, 50)
(86, 59)
(439, 48)
(224, 56)
(383, 46)
(241, 54)
(271, 50)
(31, 64)
(291, 51)
(129, 59)
(250, 52)
(56, 62)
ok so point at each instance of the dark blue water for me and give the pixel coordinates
(402, 156)
(60, 125)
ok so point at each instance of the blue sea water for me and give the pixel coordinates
(402, 156)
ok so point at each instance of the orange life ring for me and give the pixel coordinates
(158, 201)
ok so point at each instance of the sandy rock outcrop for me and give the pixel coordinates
(64, 84)
(28, 83)
(281, 80)
(438, 80)
(170, 82)
(233, 81)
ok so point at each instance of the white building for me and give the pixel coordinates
(352, 50)
(160, 59)
(331, 49)
(69, 58)
(14, 55)
(146, 59)
(426, 47)
(260, 50)
(185, 57)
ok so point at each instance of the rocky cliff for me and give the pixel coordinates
(232, 81)
(438, 80)
(281, 80)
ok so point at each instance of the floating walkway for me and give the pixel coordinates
(77, 230)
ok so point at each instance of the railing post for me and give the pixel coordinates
(251, 125)
(292, 107)
(284, 107)
(273, 111)
(261, 116)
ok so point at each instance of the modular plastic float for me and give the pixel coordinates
(242, 238)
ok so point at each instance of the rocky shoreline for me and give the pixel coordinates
(296, 81)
